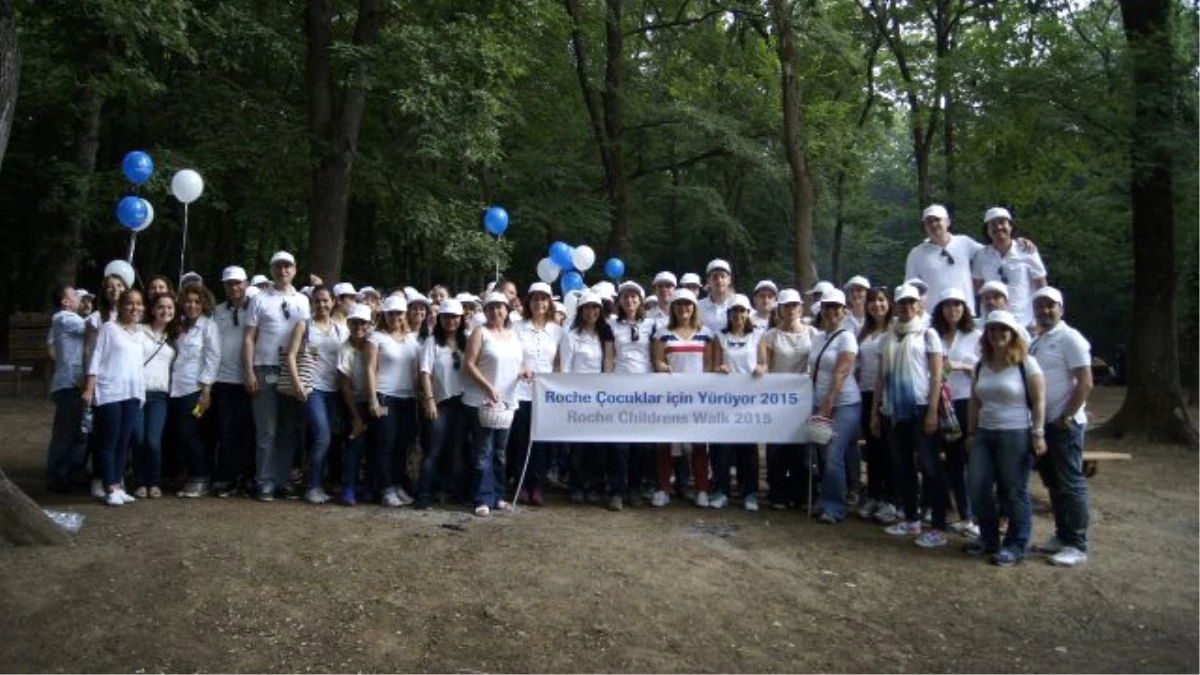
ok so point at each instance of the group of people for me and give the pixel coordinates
(333, 385)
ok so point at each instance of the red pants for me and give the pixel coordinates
(699, 467)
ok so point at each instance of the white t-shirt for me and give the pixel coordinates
(713, 314)
(740, 352)
(396, 363)
(633, 356)
(500, 363)
(198, 356)
(962, 349)
(1002, 396)
(1018, 271)
(789, 351)
(353, 364)
(1059, 351)
(326, 346)
(926, 262)
(438, 361)
(868, 360)
(581, 352)
(275, 313)
(157, 355)
(540, 347)
(232, 332)
(117, 364)
(823, 372)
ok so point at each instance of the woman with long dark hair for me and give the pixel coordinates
(158, 351)
(588, 348)
(392, 363)
(881, 495)
(736, 351)
(633, 333)
(960, 339)
(441, 390)
(198, 356)
(540, 337)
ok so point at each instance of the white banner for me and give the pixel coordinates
(659, 408)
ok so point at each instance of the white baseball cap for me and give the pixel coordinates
(419, 299)
(906, 292)
(1051, 293)
(952, 293)
(450, 306)
(252, 291)
(665, 278)
(937, 211)
(191, 278)
(631, 286)
(789, 296)
(359, 313)
(283, 257)
(821, 287)
(605, 289)
(259, 279)
(690, 279)
(467, 298)
(494, 298)
(589, 298)
(369, 290)
(740, 300)
(541, 287)
(81, 294)
(395, 303)
(1007, 319)
(996, 212)
(857, 280)
(343, 288)
(994, 287)
(233, 273)
(683, 295)
(716, 264)
(833, 297)
(918, 284)
(767, 284)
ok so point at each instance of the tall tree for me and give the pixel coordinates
(10, 71)
(1154, 405)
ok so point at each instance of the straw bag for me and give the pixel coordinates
(819, 429)
(496, 417)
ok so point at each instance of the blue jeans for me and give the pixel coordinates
(443, 440)
(235, 424)
(833, 480)
(490, 446)
(393, 433)
(909, 442)
(277, 421)
(322, 412)
(355, 447)
(119, 420)
(64, 455)
(1062, 474)
(147, 439)
(187, 433)
(1002, 459)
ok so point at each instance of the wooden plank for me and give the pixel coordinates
(1104, 455)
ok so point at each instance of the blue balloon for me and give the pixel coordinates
(137, 167)
(614, 268)
(495, 220)
(560, 254)
(132, 212)
(572, 281)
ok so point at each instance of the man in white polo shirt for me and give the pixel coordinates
(943, 260)
(1020, 270)
(1066, 360)
(269, 321)
(235, 420)
(720, 296)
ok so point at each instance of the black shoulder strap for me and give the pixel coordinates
(1024, 382)
(817, 368)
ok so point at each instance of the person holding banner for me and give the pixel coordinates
(540, 337)
(682, 348)
(835, 397)
(736, 351)
(785, 349)
(632, 334)
(588, 348)
(493, 363)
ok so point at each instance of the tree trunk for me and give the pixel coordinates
(1154, 405)
(10, 72)
(793, 139)
(839, 225)
(22, 521)
(334, 132)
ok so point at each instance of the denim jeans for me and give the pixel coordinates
(908, 442)
(187, 434)
(355, 447)
(490, 447)
(277, 421)
(64, 454)
(955, 465)
(833, 474)
(1002, 459)
(235, 424)
(1062, 474)
(880, 478)
(393, 433)
(443, 448)
(742, 455)
(148, 439)
(321, 407)
(119, 420)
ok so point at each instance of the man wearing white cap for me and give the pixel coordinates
(993, 295)
(691, 281)
(714, 308)
(260, 281)
(664, 286)
(235, 422)
(943, 260)
(1066, 360)
(1019, 269)
(270, 319)
(764, 296)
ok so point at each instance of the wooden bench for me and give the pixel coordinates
(26, 347)
(1092, 459)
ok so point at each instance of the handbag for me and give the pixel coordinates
(306, 366)
(948, 424)
(497, 416)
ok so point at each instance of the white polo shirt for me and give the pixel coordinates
(714, 314)
(267, 313)
(231, 323)
(1017, 270)
(926, 262)
(1059, 351)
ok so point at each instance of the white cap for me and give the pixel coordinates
(450, 306)
(905, 292)
(952, 293)
(767, 284)
(395, 303)
(918, 284)
(683, 295)
(996, 212)
(857, 280)
(467, 298)
(191, 278)
(789, 296)
(652, 301)
(631, 286)
(233, 273)
(1007, 319)
(665, 278)
(369, 290)
(418, 299)
(259, 279)
(821, 287)
(1051, 293)
(360, 313)
(589, 298)
(716, 264)
(252, 291)
(690, 279)
(994, 287)
(605, 290)
(283, 257)
(343, 288)
(740, 300)
(493, 298)
(410, 292)
(81, 294)
(833, 297)
(541, 287)
(307, 290)
(937, 211)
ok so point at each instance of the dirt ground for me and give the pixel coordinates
(234, 585)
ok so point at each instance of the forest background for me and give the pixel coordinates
(798, 139)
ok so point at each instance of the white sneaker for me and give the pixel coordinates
(660, 498)
(931, 539)
(503, 506)
(405, 498)
(867, 510)
(114, 499)
(718, 501)
(482, 510)
(702, 500)
(903, 529)
(98, 489)
(971, 531)
(751, 502)
(1049, 547)
(886, 514)
(390, 499)
(1069, 556)
(125, 496)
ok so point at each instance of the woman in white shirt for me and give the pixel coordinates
(540, 337)
(116, 384)
(393, 357)
(441, 389)
(158, 351)
(836, 397)
(352, 383)
(106, 310)
(633, 333)
(493, 363)
(736, 351)
(1005, 428)
(785, 349)
(960, 340)
(881, 493)
(321, 337)
(588, 348)
(197, 359)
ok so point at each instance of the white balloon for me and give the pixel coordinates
(149, 217)
(570, 304)
(547, 271)
(187, 186)
(583, 257)
(121, 269)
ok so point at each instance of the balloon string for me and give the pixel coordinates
(183, 247)
(132, 245)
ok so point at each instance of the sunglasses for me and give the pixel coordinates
(635, 333)
(949, 258)
(1003, 275)
(287, 311)
(456, 358)
(234, 310)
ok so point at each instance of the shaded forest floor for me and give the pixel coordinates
(234, 585)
